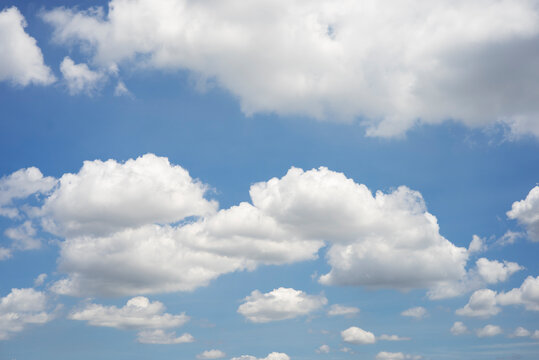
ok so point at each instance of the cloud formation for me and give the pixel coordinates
(21, 308)
(358, 336)
(272, 356)
(79, 78)
(526, 212)
(279, 304)
(391, 64)
(489, 331)
(21, 59)
(339, 310)
(417, 312)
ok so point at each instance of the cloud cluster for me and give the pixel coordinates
(21, 60)
(79, 78)
(358, 336)
(526, 212)
(384, 355)
(272, 356)
(489, 331)
(458, 328)
(416, 312)
(390, 64)
(211, 354)
(339, 310)
(20, 308)
(485, 302)
(139, 313)
(279, 304)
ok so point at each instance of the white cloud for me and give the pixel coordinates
(392, 338)
(121, 89)
(384, 355)
(79, 78)
(521, 332)
(23, 237)
(458, 328)
(5, 253)
(19, 185)
(272, 356)
(386, 240)
(535, 335)
(526, 212)
(40, 280)
(509, 238)
(159, 336)
(144, 226)
(492, 271)
(527, 295)
(417, 312)
(355, 335)
(107, 196)
(279, 304)
(482, 303)
(20, 308)
(477, 245)
(489, 331)
(21, 60)
(323, 349)
(138, 313)
(392, 64)
(338, 310)
(211, 354)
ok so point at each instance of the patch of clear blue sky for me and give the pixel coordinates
(468, 179)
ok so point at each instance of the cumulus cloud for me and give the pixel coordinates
(482, 303)
(79, 78)
(527, 295)
(138, 313)
(492, 271)
(414, 62)
(23, 237)
(19, 185)
(521, 332)
(21, 60)
(211, 354)
(339, 310)
(108, 196)
(489, 331)
(144, 226)
(159, 336)
(323, 349)
(458, 328)
(384, 355)
(272, 356)
(417, 312)
(21, 308)
(477, 245)
(279, 304)
(526, 212)
(355, 335)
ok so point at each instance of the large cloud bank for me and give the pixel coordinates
(391, 64)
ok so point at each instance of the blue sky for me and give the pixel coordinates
(272, 180)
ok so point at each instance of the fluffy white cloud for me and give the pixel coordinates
(40, 279)
(392, 338)
(144, 226)
(482, 303)
(337, 310)
(386, 240)
(323, 349)
(138, 313)
(527, 295)
(417, 312)
(211, 354)
(477, 245)
(19, 185)
(272, 356)
(355, 335)
(107, 196)
(489, 331)
(384, 355)
(458, 328)
(23, 237)
(526, 212)
(79, 78)
(20, 308)
(492, 271)
(279, 304)
(159, 336)
(521, 332)
(393, 64)
(21, 60)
